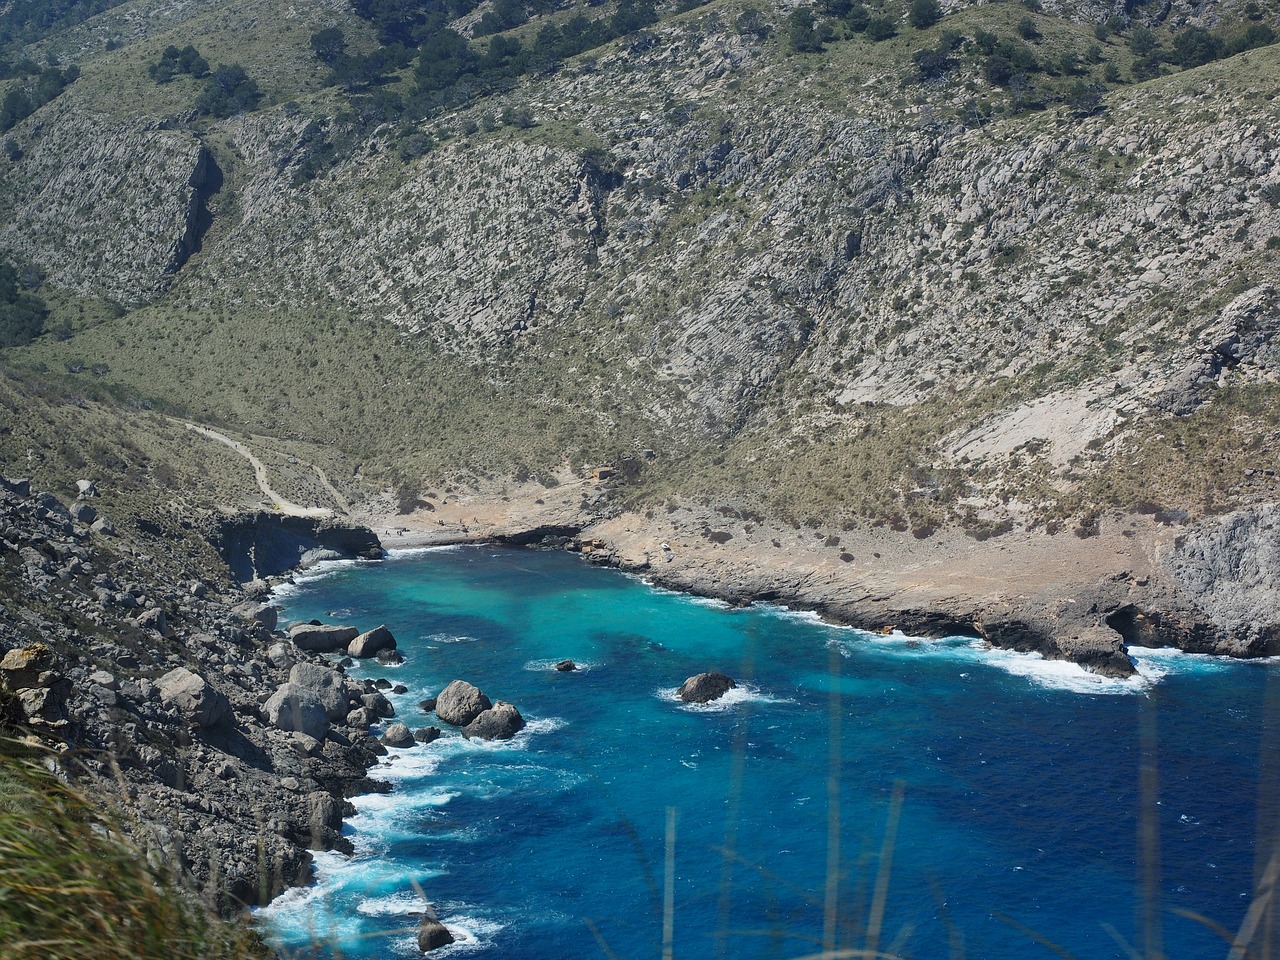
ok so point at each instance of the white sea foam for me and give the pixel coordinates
(406, 553)
(542, 666)
(743, 693)
(447, 638)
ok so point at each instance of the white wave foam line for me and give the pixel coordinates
(448, 638)
(407, 553)
(743, 693)
(1173, 660)
(542, 666)
(1059, 674)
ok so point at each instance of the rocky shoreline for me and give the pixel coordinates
(1133, 580)
(151, 679)
(231, 747)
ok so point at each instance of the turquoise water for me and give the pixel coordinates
(1019, 781)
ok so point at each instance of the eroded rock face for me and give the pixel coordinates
(459, 703)
(705, 687)
(197, 700)
(502, 721)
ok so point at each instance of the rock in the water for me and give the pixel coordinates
(199, 702)
(459, 703)
(705, 687)
(426, 734)
(565, 666)
(372, 643)
(502, 721)
(321, 638)
(398, 735)
(428, 705)
(294, 708)
(432, 934)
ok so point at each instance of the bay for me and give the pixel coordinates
(1018, 823)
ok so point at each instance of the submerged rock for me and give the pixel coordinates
(705, 687)
(565, 666)
(502, 721)
(459, 703)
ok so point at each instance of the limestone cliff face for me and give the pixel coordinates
(107, 208)
(710, 223)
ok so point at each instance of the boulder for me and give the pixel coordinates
(293, 708)
(372, 643)
(103, 526)
(705, 687)
(83, 513)
(459, 703)
(278, 654)
(154, 619)
(378, 705)
(85, 489)
(22, 666)
(257, 614)
(321, 638)
(428, 705)
(565, 666)
(193, 696)
(426, 734)
(397, 735)
(19, 485)
(432, 934)
(324, 685)
(502, 721)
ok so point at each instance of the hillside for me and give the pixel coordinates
(951, 316)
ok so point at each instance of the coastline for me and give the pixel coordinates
(1067, 597)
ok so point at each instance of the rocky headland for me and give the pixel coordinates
(167, 691)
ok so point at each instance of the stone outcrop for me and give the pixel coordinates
(322, 637)
(502, 721)
(372, 643)
(459, 703)
(193, 696)
(398, 735)
(261, 544)
(705, 687)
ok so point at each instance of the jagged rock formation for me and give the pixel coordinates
(168, 703)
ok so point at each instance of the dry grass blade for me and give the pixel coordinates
(1043, 941)
(74, 888)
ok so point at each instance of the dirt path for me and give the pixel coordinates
(260, 473)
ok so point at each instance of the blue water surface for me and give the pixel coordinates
(1018, 825)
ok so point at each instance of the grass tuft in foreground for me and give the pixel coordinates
(72, 887)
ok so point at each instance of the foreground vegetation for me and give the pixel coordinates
(75, 889)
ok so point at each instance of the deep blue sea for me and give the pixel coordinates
(1018, 825)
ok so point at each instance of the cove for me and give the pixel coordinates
(1020, 782)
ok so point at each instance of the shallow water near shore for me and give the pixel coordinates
(1020, 779)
